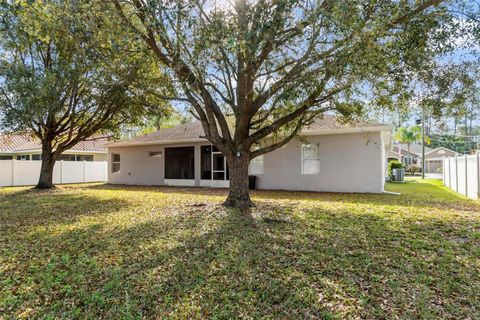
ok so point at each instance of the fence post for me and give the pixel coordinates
(450, 172)
(443, 171)
(478, 174)
(466, 175)
(456, 173)
(84, 170)
(106, 170)
(13, 171)
(61, 171)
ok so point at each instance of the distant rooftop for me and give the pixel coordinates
(24, 141)
(415, 148)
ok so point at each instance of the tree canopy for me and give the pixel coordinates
(68, 71)
(408, 135)
(255, 72)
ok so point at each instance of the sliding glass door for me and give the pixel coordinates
(214, 165)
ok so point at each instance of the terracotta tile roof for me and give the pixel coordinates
(13, 142)
(193, 132)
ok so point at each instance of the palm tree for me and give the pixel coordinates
(408, 135)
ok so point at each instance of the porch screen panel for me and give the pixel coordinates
(206, 162)
(180, 163)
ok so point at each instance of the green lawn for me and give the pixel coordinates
(113, 252)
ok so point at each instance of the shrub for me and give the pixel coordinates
(413, 168)
(394, 165)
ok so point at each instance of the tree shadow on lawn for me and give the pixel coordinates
(43, 207)
(208, 262)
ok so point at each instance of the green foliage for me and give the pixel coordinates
(296, 60)
(160, 122)
(109, 252)
(274, 67)
(66, 67)
(413, 168)
(408, 135)
(457, 142)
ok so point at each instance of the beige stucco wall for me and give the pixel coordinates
(137, 168)
(348, 163)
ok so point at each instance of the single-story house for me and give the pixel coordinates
(434, 158)
(24, 146)
(407, 155)
(326, 156)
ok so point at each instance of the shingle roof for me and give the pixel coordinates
(330, 122)
(13, 142)
(194, 131)
(184, 132)
(415, 148)
(404, 152)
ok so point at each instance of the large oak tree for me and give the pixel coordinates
(255, 72)
(67, 72)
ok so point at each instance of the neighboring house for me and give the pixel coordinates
(434, 158)
(327, 156)
(400, 152)
(24, 146)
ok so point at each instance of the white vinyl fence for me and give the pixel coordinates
(462, 175)
(24, 173)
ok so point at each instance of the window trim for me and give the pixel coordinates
(405, 160)
(303, 159)
(116, 162)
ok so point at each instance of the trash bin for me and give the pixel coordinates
(252, 182)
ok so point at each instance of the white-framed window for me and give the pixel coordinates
(256, 165)
(311, 158)
(115, 162)
(407, 160)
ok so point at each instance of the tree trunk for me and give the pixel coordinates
(46, 172)
(238, 196)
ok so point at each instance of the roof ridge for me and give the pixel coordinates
(193, 131)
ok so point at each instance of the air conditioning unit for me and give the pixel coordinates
(398, 174)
